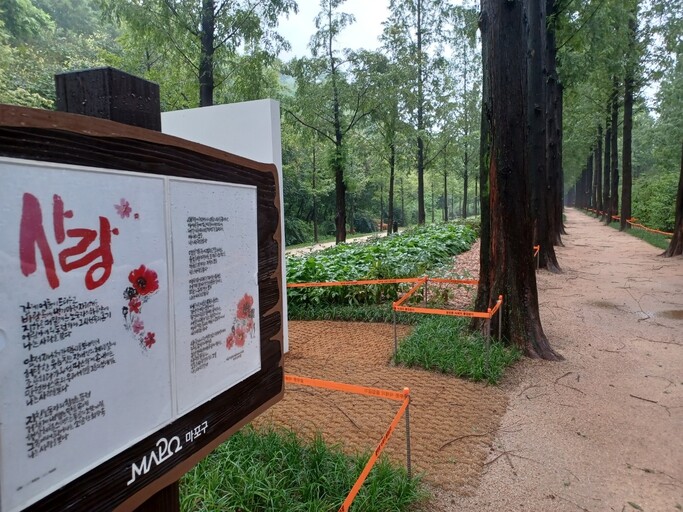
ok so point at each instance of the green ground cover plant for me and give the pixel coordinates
(446, 344)
(275, 471)
(408, 254)
(660, 241)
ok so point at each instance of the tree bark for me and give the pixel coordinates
(465, 174)
(627, 173)
(614, 175)
(606, 171)
(315, 199)
(421, 217)
(507, 265)
(392, 171)
(598, 172)
(588, 185)
(445, 188)
(208, 30)
(676, 245)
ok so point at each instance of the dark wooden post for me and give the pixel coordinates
(110, 93)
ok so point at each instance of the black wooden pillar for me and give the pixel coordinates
(112, 94)
(109, 93)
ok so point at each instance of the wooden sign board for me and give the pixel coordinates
(141, 283)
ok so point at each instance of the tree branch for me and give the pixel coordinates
(317, 130)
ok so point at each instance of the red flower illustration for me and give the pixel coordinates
(138, 326)
(123, 209)
(134, 305)
(240, 337)
(144, 280)
(149, 340)
(245, 307)
(230, 341)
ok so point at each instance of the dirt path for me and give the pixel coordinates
(300, 251)
(603, 430)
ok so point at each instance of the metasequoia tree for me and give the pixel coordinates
(506, 261)
(333, 95)
(203, 35)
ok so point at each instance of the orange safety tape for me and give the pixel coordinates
(497, 306)
(409, 293)
(373, 458)
(453, 281)
(348, 388)
(351, 283)
(447, 312)
(537, 248)
(665, 233)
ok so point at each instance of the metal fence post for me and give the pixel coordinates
(425, 292)
(395, 335)
(408, 459)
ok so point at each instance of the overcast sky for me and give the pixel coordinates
(369, 14)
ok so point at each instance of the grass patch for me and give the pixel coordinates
(275, 471)
(655, 239)
(445, 344)
(380, 313)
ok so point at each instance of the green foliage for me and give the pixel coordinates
(275, 471)
(654, 200)
(654, 239)
(446, 344)
(408, 254)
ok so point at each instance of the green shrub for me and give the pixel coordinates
(408, 254)
(654, 200)
(274, 471)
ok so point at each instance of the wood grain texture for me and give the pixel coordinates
(79, 140)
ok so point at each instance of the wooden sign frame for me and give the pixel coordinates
(45, 136)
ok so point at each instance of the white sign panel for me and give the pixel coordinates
(215, 255)
(110, 327)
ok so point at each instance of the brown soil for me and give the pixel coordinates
(599, 431)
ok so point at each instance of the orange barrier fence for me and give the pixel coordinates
(632, 222)
(403, 397)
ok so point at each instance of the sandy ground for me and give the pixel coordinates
(600, 431)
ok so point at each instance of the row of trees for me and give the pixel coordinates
(611, 120)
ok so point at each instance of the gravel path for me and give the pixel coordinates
(603, 430)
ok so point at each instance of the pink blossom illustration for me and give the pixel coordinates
(138, 326)
(123, 209)
(149, 340)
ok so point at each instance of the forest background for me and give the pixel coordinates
(370, 137)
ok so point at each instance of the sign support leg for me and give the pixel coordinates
(166, 500)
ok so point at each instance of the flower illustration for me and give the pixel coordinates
(243, 323)
(145, 284)
(123, 209)
(240, 337)
(144, 280)
(138, 326)
(245, 307)
(134, 305)
(149, 340)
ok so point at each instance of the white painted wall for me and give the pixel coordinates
(251, 130)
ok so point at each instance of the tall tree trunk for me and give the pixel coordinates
(589, 182)
(553, 194)
(676, 245)
(606, 178)
(614, 193)
(403, 206)
(392, 170)
(598, 173)
(432, 182)
(208, 27)
(627, 173)
(381, 206)
(315, 199)
(465, 186)
(465, 175)
(509, 268)
(476, 198)
(445, 188)
(421, 217)
(338, 164)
